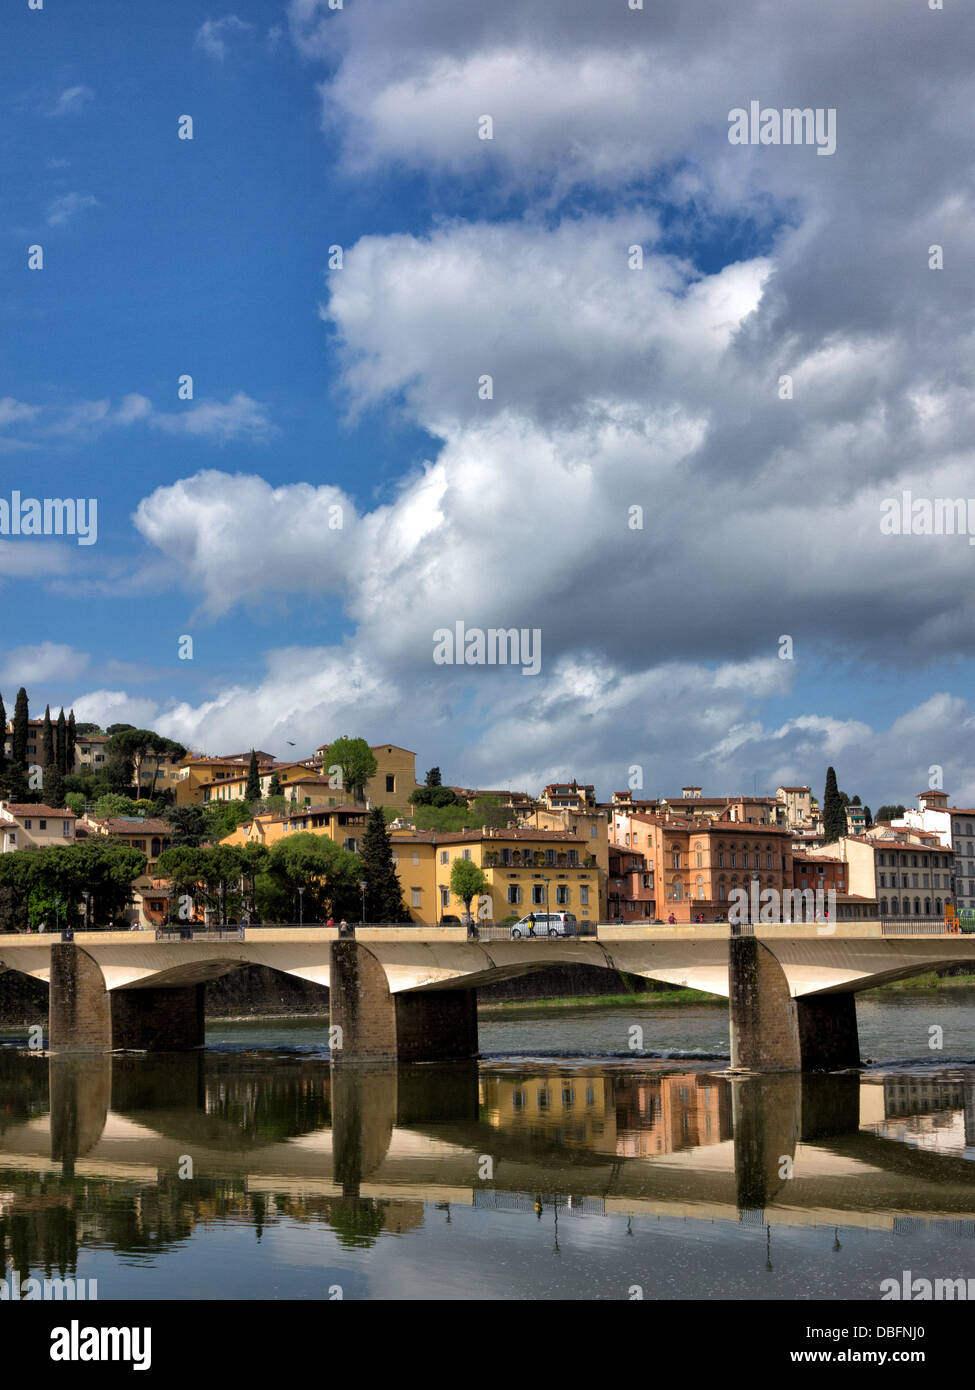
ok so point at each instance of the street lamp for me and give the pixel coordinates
(86, 895)
(301, 907)
(363, 886)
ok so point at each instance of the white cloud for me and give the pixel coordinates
(67, 206)
(241, 541)
(46, 663)
(239, 419)
(72, 101)
(213, 34)
(106, 707)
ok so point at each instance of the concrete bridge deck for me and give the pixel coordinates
(409, 993)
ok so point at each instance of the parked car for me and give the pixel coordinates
(547, 924)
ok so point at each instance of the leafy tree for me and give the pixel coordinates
(223, 817)
(834, 813)
(356, 760)
(21, 728)
(436, 796)
(118, 729)
(455, 817)
(491, 812)
(433, 777)
(75, 801)
(384, 894)
(188, 825)
(83, 730)
(159, 747)
(890, 812)
(61, 744)
(47, 740)
(113, 804)
(328, 874)
(252, 791)
(104, 867)
(274, 787)
(467, 881)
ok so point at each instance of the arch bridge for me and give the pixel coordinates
(409, 993)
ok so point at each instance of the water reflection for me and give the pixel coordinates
(138, 1154)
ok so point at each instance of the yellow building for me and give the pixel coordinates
(526, 870)
(395, 777)
(197, 772)
(591, 826)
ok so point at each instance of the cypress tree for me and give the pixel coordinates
(54, 788)
(252, 791)
(834, 812)
(21, 718)
(47, 741)
(3, 737)
(433, 777)
(384, 895)
(274, 787)
(72, 741)
(61, 744)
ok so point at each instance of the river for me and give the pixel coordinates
(563, 1164)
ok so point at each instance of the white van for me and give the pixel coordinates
(546, 924)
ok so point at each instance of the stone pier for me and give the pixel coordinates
(771, 1030)
(84, 1016)
(379, 1026)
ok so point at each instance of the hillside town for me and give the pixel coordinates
(161, 834)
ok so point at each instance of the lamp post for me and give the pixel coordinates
(363, 886)
(301, 907)
(86, 895)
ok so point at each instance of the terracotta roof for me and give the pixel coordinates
(37, 808)
(129, 825)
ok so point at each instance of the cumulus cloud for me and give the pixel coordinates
(213, 35)
(240, 540)
(42, 664)
(678, 461)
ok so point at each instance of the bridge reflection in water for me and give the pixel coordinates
(94, 1150)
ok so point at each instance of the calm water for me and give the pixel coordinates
(255, 1170)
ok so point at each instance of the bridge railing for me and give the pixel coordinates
(195, 933)
(922, 926)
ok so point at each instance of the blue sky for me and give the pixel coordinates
(612, 387)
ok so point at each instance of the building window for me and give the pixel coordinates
(415, 893)
(27, 825)
(390, 784)
(467, 854)
(444, 856)
(416, 856)
(42, 824)
(562, 894)
(584, 896)
(514, 894)
(445, 897)
(538, 894)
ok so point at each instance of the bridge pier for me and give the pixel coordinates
(379, 1026)
(773, 1031)
(84, 1016)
